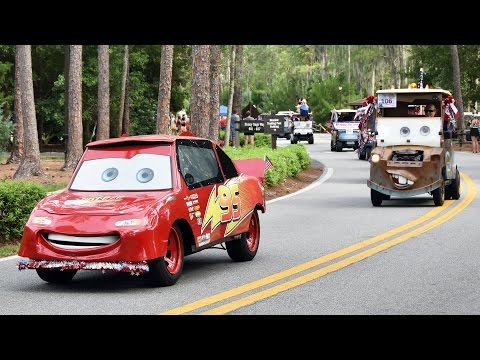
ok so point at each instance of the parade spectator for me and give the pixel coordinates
(249, 135)
(233, 119)
(474, 134)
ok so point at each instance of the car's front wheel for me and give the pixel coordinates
(339, 146)
(376, 197)
(245, 248)
(166, 270)
(56, 276)
(453, 190)
(439, 195)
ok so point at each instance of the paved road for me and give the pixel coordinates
(323, 250)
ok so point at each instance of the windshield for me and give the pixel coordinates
(142, 172)
(344, 117)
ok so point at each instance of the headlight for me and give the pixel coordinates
(375, 158)
(129, 222)
(42, 220)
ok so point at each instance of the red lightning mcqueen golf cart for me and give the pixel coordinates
(139, 204)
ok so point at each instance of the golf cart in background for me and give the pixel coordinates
(345, 131)
(414, 153)
(302, 128)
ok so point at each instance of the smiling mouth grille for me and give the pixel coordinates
(80, 242)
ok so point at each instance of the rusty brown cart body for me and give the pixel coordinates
(413, 153)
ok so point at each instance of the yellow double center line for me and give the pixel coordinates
(302, 279)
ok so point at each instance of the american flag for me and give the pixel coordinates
(268, 163)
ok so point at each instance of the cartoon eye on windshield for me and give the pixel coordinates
(404, 131)
(145, 175)
(109, 174)
(424, 130)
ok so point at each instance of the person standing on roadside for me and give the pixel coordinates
(474, 134)
(249, 135)
(233, 119)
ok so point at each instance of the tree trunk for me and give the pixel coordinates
(75, 125)
(403, 66)
(103, 122)
(126, 110)
(349, 71)
(30, 164)
(371, 89)
(165, 90)
(237, 94)
(122, 91)
(215, 58)
(66, 69)
(200, 90)
(18, 150)
(458, 90)
(230, 97)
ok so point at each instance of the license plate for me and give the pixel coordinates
(350, 142)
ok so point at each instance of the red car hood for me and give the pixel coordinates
(69, 203)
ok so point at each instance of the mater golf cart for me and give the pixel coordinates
(413, 153)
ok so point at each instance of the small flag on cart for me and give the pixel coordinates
(268, 163)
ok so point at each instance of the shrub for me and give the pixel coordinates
(287, 161)
(17, 200)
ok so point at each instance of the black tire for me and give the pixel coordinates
(245, 248)
(452, 191)
(368, 152)
(376, 197)
(439, 195)
(339, 146)
(361, 154)
(310, 139)
(288, 136)
(294, 139)
(56, 276)
(455, 191)
(166, 270)
(332, 145)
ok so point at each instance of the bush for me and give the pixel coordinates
(287, 161)
(17, 200)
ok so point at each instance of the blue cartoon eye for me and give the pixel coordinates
(145, 175)
(424, 130)
(404, 131)
(109, 174)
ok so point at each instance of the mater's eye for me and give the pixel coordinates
(145, 175)
(424, 130)
(109, 174)
(404, 131)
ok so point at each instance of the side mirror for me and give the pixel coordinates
(189, 179)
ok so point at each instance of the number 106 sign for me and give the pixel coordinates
(387, 100)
